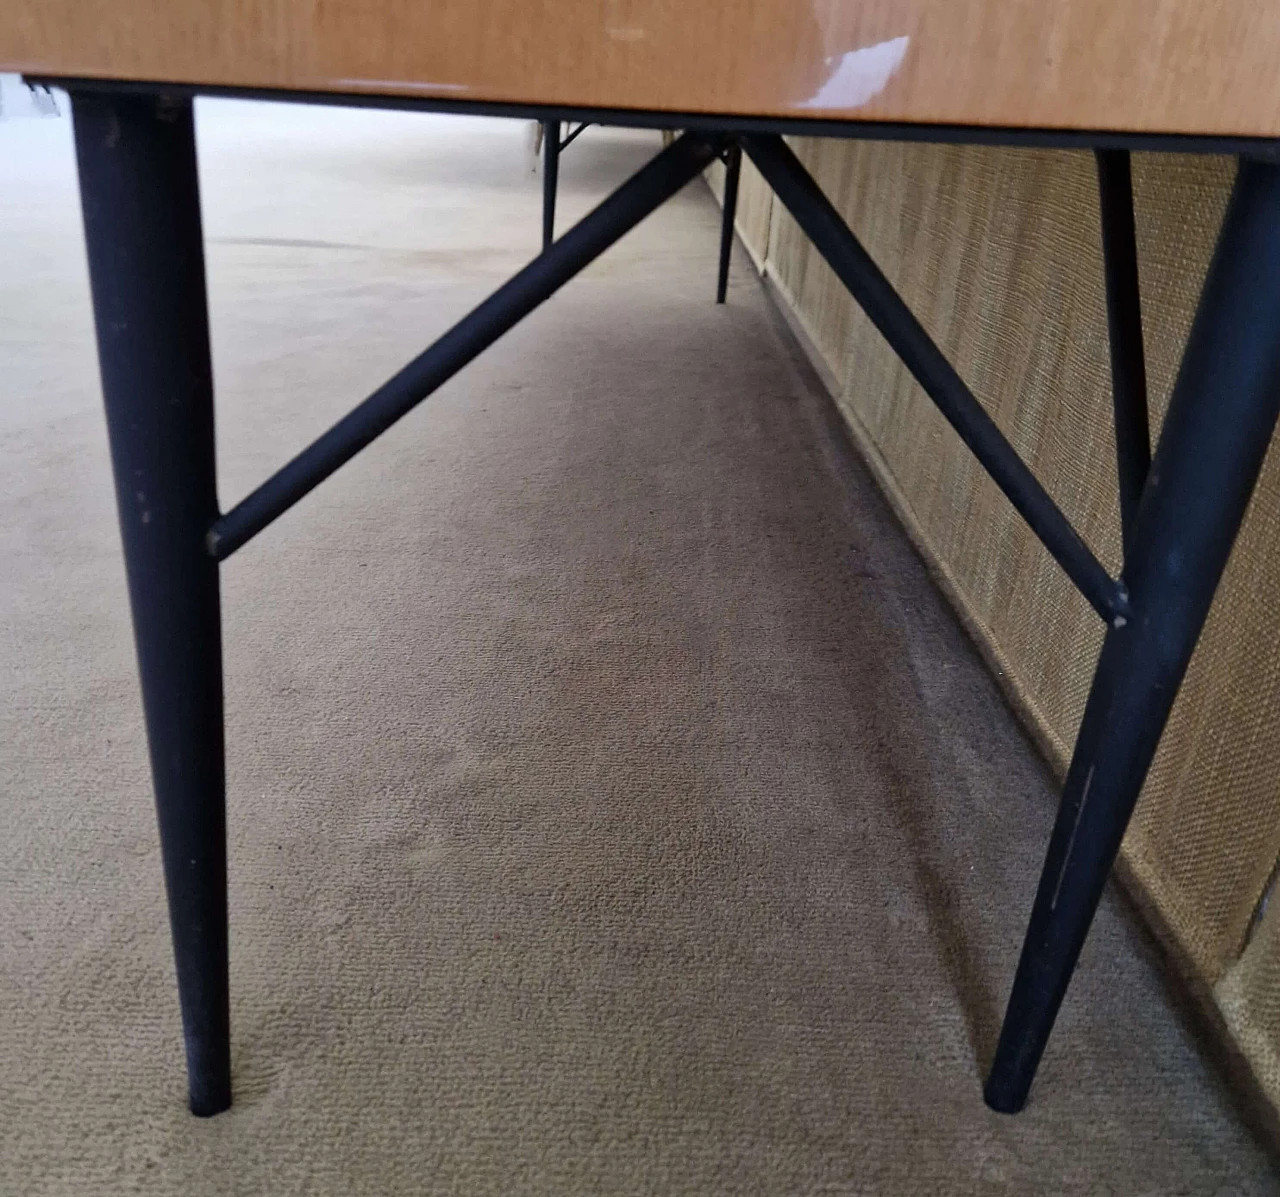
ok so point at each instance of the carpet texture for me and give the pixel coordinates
(615, 806)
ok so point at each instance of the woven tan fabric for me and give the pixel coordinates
(997, 251)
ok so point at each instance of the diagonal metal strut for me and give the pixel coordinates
(875, 294)
(646, 190)
(566, 142)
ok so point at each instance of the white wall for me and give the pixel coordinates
(19, 102)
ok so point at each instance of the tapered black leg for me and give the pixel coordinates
(1220, 420)
(1124, 326)
(137, 163)
(550, 174)
(732, 169)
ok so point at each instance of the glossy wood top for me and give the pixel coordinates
(1178, 66)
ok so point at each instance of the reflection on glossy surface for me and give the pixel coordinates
(1182, 66)
(859, 75)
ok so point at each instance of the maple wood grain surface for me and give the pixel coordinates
(1183, 66)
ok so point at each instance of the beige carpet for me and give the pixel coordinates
(615, 807)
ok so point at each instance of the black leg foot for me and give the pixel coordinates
(1220, 421)
(550, 173)
(137, 163)
(733, 168)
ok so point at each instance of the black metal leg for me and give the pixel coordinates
(1124, 324)
(1220, 420)
(732, 169)
(550, 174)
(137, 163)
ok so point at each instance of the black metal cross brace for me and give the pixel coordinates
(553, 144)
(623, 210)
(1181, 509)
